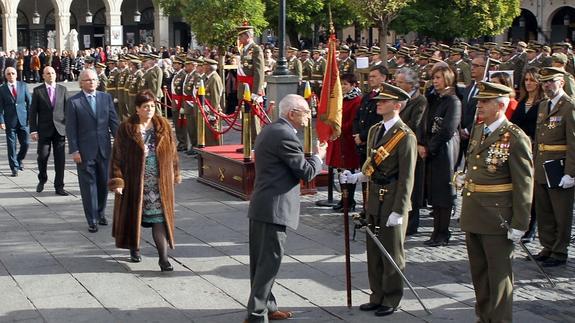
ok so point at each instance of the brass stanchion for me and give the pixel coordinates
(307, 135)
(246, 123)
(201, 130)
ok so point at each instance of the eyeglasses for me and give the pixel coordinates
(306, 112)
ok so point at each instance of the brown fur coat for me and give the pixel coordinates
(127, 172)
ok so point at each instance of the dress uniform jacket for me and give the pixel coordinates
(389, 190)
(554, 206)
(295, 67)
(463, 72)
(499, 184)
(133, 89)
(177, 87)
(153, 78)
(346, 66)
(252, 65)
(102, 81)
(319, 68)
(122, 83)
(214, 89)
(112, 84)
(307, 66)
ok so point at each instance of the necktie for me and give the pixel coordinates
(549, 107)
(92, 101)
(380, 133)
(486, 131)
(14, 93)
(51, 95)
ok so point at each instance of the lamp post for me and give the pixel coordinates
(281, 66)
(36, 15)
(89, 15)
(137, 14)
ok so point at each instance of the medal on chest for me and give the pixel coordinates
(498, 153)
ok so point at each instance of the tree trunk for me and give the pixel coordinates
(382, 28)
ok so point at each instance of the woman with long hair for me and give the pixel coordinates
(438, 145)
(505, 79)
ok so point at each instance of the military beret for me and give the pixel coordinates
(305, 51)
(101, 65)
(559, 58)
(551, 73)
(522, 44)
(488, 90)
(210, 61)
(390, 92)
(244, 27)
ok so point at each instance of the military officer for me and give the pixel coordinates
(190, 67)
(461, 69)
(390, 183)
(102, 79)
(123, 76)
(346, 64)
(250, 71)
(112, 84)
(177, 87)
(307, 65)
(375, 56)
(134, 85)
(391, 59)
(153, 76)
(497, 187)
(319, 64)
(294, 64)
(559, 60)
(214, 89)
(554, 140)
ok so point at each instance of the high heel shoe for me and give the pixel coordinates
(165, 266)
(135, 255)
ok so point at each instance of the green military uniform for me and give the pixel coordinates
(499, 182)
(307, 69)
(122, 83)
(317, 74)
(177, 92)
(112, 87)
(346, 66)
(189, 111)
(102, 81)
(295, 67)
(554, 139)
(389, 190)
(133, 89)
(214, 88)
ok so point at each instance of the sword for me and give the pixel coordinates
(388, 256)
(505, 225)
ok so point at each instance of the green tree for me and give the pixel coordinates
(447, 19)
(214, 22)
(381, 13)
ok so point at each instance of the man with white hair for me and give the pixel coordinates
(498, 187)
(275, 201)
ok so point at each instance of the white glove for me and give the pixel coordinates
(459, 180)
(348, 177)
(567, 181)
(257, 98)
(394, 219)
(182, 110)
(515, 235)
(115, 100)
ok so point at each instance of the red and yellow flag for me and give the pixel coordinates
(329, 109)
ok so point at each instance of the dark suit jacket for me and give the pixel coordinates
(44, 118)
(469, 105)
(88, 133)
(280, 165)
(412, 113)
(14, 110)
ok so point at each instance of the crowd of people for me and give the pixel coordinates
(418, 126)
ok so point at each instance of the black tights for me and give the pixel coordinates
(161, 240)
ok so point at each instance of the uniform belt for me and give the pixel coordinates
(482, 188)
(384, 180)
(543, 147)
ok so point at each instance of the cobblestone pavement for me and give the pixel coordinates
(53, 270)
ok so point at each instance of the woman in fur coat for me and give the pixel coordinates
(144, 171)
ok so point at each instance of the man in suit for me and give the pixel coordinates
(390, 184)
(495, 190)
(412, 114)
(47, 127)
(275, 202)
(555, 139)
(90, 121)
(14, 105)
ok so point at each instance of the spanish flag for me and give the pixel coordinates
(330, 103)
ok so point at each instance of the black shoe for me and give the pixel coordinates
(439, 243)
(93, 228)
(135, 256)
(21, 167)
(410, 232)
(428, 242)
(40, 187)
(103, 221)
(191, 152)
(384, 311)
(14, 172)
(553, 262)
(60, 191)
(338, 206)
(527, 239)
(165, 266)
(369, 307)
(182, 149)
(538, 257)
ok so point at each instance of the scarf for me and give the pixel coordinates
(355, 92)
